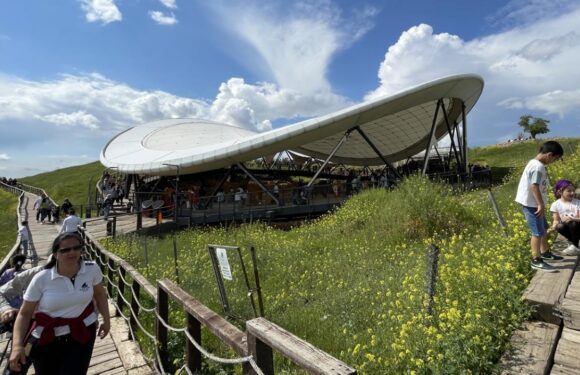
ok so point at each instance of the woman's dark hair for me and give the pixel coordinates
(17, 261)
(56, 244)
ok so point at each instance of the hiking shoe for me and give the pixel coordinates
(548, 255)
(571, 250)
(539, 264)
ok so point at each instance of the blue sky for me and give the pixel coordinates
(73, 73)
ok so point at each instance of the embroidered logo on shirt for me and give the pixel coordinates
(84, 287)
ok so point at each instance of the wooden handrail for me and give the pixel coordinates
(260, 340)
(265, 336)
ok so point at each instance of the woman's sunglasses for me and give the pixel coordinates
(67, 249)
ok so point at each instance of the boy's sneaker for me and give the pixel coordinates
(548, 255)
(539, 264)
(571, 250)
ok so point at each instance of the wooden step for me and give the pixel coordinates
(532, 349)
(547, 290)
(570, 306)
(566, 359)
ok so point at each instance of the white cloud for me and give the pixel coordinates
(4, 157)
(171, 4)
(296, 40)
(78, 118)
(530, 67)
(555, 102)
(526, 12)
(92, 101)
(104, 11)
(163, 19)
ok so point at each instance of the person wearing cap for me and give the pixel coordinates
(60, 297)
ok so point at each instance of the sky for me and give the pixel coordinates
(74, 73)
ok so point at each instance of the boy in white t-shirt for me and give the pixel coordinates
(532, 194)
(566, 215)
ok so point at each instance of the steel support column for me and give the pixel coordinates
(451, 136)
(464, 137)
(430, 141)
(217, 188)
(334, 150)
(253, 178)
(376, 150)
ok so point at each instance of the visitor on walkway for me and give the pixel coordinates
(24, 237)
(71, 223)
(61, 299)
(37, 204)
(532, 195)
(10, 301)
(66, 206)
(566, 215)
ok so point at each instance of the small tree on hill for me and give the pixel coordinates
(534, 125)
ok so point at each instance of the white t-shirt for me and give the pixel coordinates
(566, 208)
(534, 173)
(24, 236)
(70, 224)
(58, 297)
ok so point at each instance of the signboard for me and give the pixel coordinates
(222, 257)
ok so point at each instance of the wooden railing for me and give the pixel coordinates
(255, 346)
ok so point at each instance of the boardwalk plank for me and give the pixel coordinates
(567, 351)
(532, 352)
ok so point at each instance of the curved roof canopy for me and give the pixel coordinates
(398, 125)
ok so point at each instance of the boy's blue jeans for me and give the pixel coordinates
(537, 225)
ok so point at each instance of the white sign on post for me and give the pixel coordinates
(222, 257)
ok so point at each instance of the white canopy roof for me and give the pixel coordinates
(397, 125)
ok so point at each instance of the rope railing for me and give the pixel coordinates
(254, 350)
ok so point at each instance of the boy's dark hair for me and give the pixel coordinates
(552, 146)
(24, 222)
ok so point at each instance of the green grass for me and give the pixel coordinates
(512, 155)
(73, 183)
(353, 282)
(8, 222)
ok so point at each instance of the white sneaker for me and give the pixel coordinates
(571, 250)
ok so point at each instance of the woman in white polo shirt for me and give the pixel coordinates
(61, 299)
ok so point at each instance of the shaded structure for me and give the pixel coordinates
(379, 132)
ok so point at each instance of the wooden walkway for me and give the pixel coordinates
(115, 354)
(549, 343)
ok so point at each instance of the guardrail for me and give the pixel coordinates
(255, 346)
(21, 215)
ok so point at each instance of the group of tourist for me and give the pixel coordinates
(109, 192)
(54, 310)
(532, 195)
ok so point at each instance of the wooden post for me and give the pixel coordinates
(192, 355)
(262, 354)
(139, 220)
(121, 286)
(163, 311)
(136, 288)
(111, 275)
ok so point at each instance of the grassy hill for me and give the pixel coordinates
(8, 217)
(73, 183)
